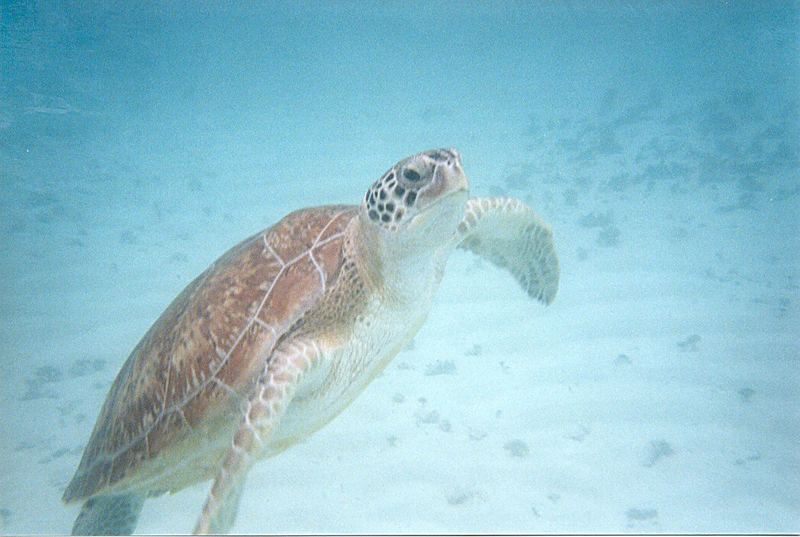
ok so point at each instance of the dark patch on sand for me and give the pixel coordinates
(746, 394)
(609, 236)
(475, 350)
(517, 448)
(440, 367)
(690, 343)
(658, 449)
(39, 386)
(622, 359)
(636, 514)
(85, 366)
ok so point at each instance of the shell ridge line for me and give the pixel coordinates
(166, 391)
(183, 417)
(321, 233)
(266, 326)
(273, 252)
(147, 445)
(191, 394)
(319, 269)
(224, 385)
(317, 244)
(332, 238)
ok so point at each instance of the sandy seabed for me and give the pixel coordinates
(658, 393)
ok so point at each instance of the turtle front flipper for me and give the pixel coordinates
(510, 234)
(273, 392)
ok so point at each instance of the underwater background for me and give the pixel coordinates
(660, 392)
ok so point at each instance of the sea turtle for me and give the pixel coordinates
(283, 331)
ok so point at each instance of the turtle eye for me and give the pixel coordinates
(411, 175)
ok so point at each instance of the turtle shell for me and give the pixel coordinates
(186, 378)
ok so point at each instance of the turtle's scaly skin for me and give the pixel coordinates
(185, 379)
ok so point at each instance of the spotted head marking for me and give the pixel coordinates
(413, 185)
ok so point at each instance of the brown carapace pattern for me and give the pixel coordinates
(203, 355)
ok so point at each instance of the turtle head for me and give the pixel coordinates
(421, 197)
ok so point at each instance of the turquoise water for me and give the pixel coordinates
(661, 140)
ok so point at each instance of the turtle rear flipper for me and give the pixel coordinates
(109, 515)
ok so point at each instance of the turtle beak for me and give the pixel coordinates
(448, 177)
(452, 167)
(441, 204)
